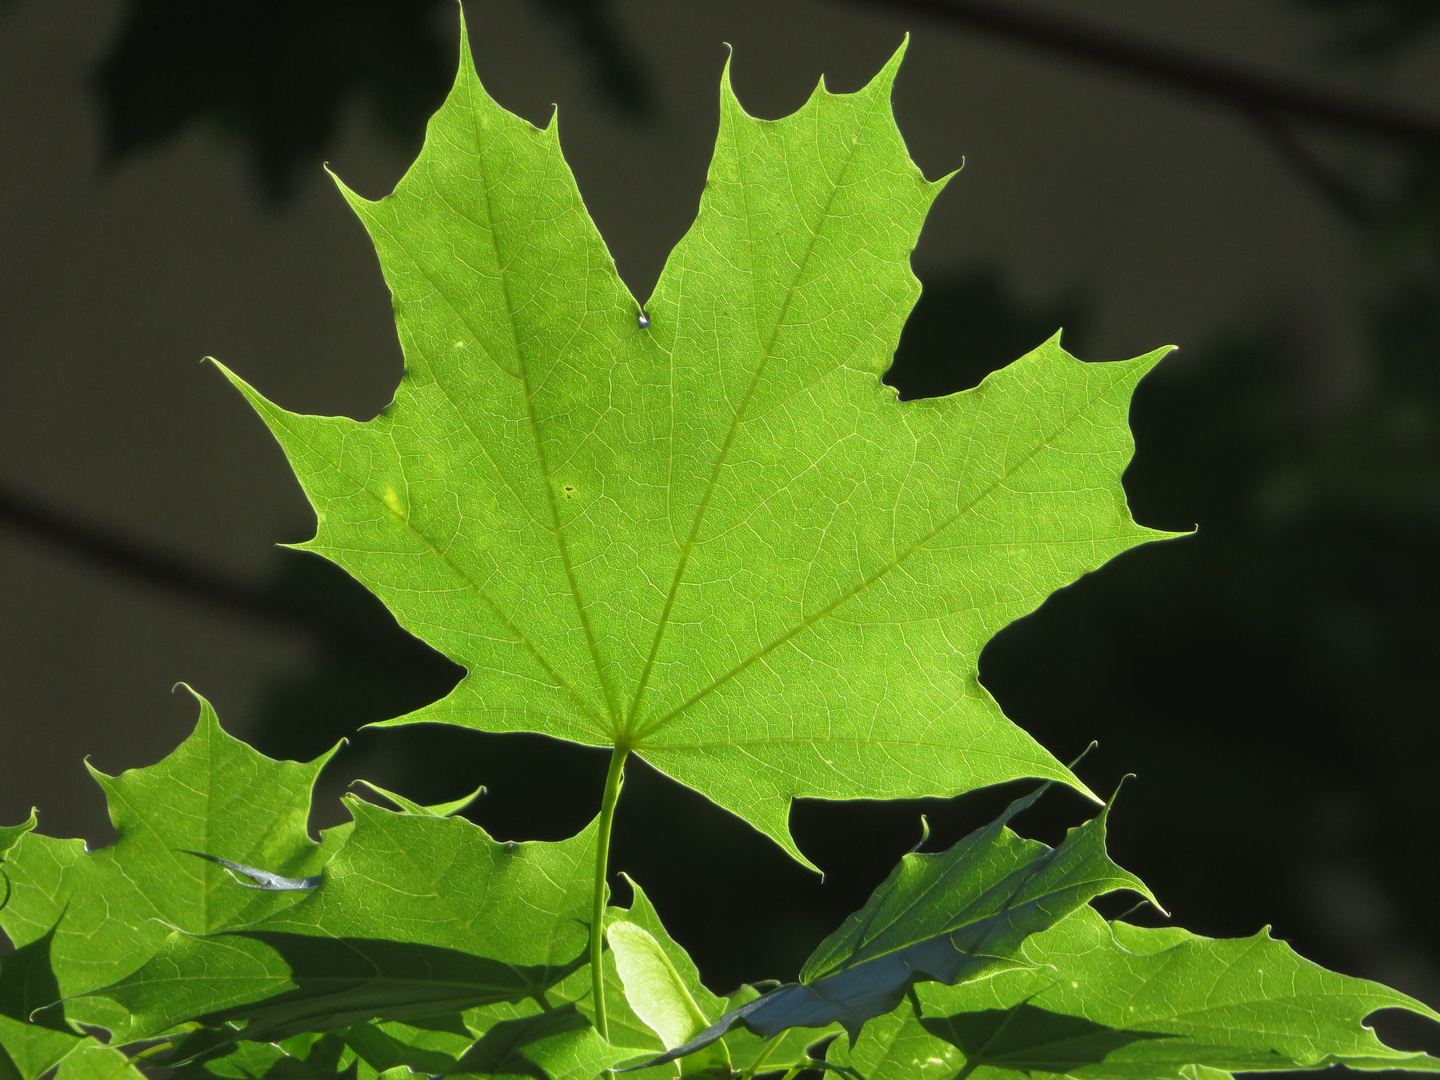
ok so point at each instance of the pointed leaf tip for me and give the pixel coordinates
(719, 537)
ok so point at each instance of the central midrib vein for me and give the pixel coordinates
(688, 546)
(545, 478)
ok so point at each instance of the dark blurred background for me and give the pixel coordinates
(1255, 180)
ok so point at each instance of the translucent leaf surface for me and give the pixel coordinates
(715, 538)
(10, 834)
(653, 986)
(1110, 1000)
(111, 909)
(417, 914)
(656, 991)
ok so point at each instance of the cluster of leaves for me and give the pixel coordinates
(703, 532)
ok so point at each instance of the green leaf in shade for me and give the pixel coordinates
(112, 909)
(322, 1058)
(950, 918)
(383, 1046)
(1111, 1001)
(33, 1037)
(559, 1044)
(91, 1061)
(29, 991)
(417, 915)
(751, 1052)
(717, 538)
(210, 1052)
(28, 1051)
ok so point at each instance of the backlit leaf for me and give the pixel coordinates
(716, 538)
(1111, 1000)
(417, 915)
(951, 918)
(111, 909)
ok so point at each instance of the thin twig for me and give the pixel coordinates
(193, 581)
(1237, 85)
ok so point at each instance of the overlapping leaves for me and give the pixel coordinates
(950, 918)
(1111, 1001)
(104, 913)
(417, 916)
(716, 538)
(707, 533)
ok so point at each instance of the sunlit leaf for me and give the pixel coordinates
(111, 909)
(1111, 1000)
(417, 915)
(710, 534)
(951, 918)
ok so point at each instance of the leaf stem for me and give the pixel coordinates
(763, 1056)
(613, 780)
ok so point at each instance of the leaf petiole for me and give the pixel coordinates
(613, 781)
(762, 1056)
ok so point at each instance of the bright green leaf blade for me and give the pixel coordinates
(984, 895)
(1110, 1000)
(417, 914)
(951, 918)
(653, 987)
(10, 834)
(409, 806)
(719, 539)
(112, 908)
(656, 992)
(626, 1028)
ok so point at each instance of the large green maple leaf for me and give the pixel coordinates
(709, 533)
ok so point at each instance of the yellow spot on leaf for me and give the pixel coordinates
(393, 503)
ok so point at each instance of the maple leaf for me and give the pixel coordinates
(952, 917)
(1111, 1001)
(104, 913)
(419, 914)
(709, 533)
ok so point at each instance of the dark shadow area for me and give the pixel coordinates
(279, 76)
(343, 981)
(1028, 1038)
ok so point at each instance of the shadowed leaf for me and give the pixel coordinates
(417, 915)
(950, 918)
(1111, 1001)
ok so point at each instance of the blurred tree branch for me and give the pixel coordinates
(1251, 91)
(149, 566)
(277, 75)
